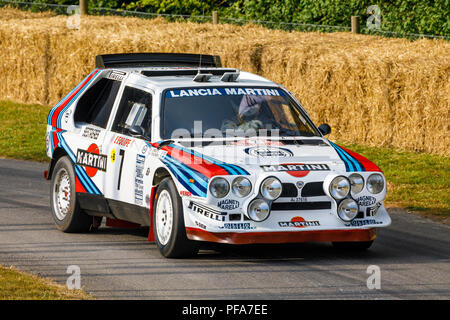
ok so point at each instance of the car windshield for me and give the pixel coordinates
(232, 112)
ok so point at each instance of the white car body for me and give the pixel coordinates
(117, 174)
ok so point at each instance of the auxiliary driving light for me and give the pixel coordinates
(219, 187)
(241, 187)
(258, 210)
(271, 188)
(348, 210)
(339, 187)
(356, 182)
(375, 183)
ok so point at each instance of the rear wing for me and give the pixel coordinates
(126, 60)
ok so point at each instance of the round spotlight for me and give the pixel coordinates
(375, 183)
(271, 188)
(348, 210)
(339, 187)
(356, 183)
(219, 187)
(241, 187)
(258, 210)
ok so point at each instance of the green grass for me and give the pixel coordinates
(416, 181)
(16, 285)
(22, 131)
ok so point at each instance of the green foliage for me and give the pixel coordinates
(401, 16)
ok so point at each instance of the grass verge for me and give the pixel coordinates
(416, 181)
(17, 285)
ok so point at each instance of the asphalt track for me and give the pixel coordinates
(413, 255)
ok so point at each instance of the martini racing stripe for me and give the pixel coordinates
(354, 161)
(81, 174)
(229, 168)
(183, 178)
(55, 115)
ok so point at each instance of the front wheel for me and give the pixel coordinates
(353, 246)
(169, 228)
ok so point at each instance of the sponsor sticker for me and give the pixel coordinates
(67, 115)
(207, 212)
(366, 201)
(298, 222)
(112, 156)
(122, 141)
(117, 75)
(185, 193)
(268, 152)
(238, 226)
(139, 180)
(91, 133)
(199, 224)
(364, 222)
(228, 204)
(92, 160)
(223, 92)
(296, 169)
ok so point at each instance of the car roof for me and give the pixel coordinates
(172, 77)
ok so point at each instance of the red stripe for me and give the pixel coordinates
(78, 186)
(151, 235)
(366, 163)
(199, 164)
(57, 111)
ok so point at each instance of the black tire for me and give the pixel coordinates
(74, 219)
(353, 246)
(177, 245)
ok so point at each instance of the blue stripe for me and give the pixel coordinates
(198, 177)
(353, 160)
(82, 181)
(185, 181)
(348, 164)
(89, 184)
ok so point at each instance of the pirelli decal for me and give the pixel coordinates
(207, 212)
(92, 159)
(295, 167)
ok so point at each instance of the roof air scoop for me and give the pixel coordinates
(230, 77)
(202, 77)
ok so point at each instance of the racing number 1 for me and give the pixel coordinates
(122, 155)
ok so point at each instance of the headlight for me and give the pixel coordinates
(219, 187)
(271, 188)
(258, 210)
(356, 182)
(375, 183)
(241, 186)
(348, 210)
(339, 187)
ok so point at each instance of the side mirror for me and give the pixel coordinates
(136, 131)
(325, 129)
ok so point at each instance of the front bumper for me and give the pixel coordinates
(281, 237)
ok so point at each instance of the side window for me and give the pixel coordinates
(95, 105)
(134, 115)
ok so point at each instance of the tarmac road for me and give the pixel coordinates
(413, 255)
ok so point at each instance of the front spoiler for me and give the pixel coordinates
(281, 237)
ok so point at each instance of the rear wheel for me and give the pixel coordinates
(66, 211)
(169, 228)
(353, 246)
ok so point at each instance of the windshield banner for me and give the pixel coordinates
(223, 92)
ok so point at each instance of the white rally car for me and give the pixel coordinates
(199, 153)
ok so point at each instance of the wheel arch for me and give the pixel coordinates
(57, 154)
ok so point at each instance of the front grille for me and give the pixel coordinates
(288, 206)
(289, 190)
(313, 189)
